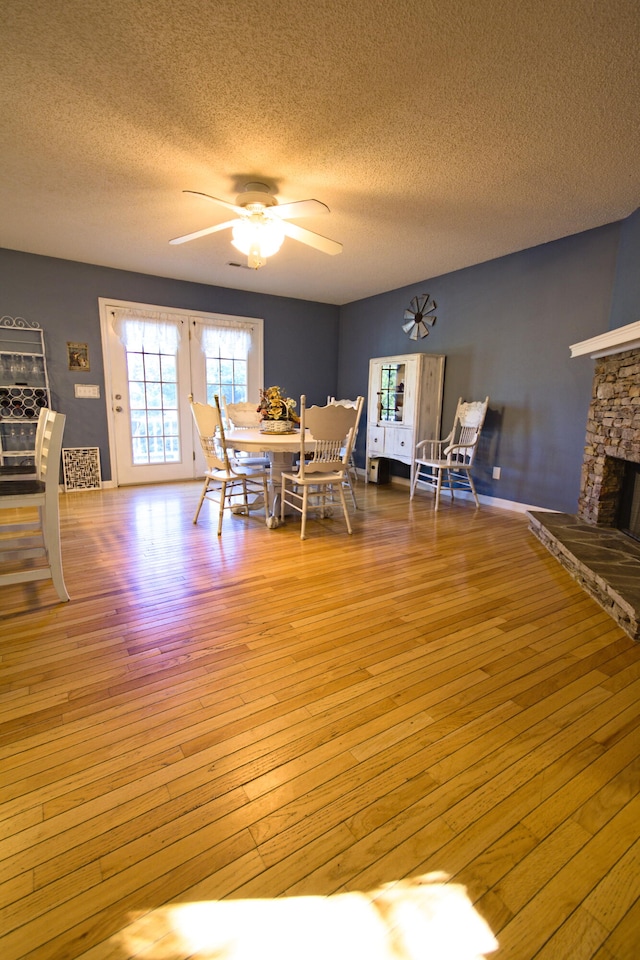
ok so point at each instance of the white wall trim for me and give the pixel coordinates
(467, 495)
(613, 341)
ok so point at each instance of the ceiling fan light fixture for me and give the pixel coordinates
(255, 260)
(260, 231)
(258, 237)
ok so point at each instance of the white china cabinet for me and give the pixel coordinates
(404, 406)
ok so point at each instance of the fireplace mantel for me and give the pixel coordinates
(613, 341)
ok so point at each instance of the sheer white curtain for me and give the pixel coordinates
(151, 332)
(230, 343)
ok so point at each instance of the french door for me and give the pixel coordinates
(149, 376)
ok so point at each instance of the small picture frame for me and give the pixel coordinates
(78, 356)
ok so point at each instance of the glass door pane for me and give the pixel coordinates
(392, 392)
(153, 407)
(227, 378)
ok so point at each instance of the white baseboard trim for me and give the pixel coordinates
(512, 505)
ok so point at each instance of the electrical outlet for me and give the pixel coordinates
(496, 473)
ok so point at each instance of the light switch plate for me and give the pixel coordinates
(87, 390)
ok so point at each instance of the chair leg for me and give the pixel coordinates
(201, 501)
(51, 532)
(451, 484)
(305, 504)
(473, 488)
(415, 477)
(352, 477)
(439, 471)
(223, 497)
(347, 477)
(344, 509)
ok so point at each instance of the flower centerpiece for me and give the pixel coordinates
(277, 411)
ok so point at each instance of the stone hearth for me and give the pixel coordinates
(605, 561)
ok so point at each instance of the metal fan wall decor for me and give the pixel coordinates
(419, 316)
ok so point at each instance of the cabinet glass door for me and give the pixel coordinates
(391, 394)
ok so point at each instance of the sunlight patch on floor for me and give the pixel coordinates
(407, 920)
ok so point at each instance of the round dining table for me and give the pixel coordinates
(280, 448)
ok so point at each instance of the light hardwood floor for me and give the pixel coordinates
(258, 716)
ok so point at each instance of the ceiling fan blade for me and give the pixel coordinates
(203, 233)
(312, 239)
(299, 208)
(223, 203)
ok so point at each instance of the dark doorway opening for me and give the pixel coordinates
(628, 519)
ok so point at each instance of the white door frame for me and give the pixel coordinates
(106, 304)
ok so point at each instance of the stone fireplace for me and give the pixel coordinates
(613, 436)
(605, 560)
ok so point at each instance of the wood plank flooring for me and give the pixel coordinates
(258, 716)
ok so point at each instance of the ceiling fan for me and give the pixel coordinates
(262, 224)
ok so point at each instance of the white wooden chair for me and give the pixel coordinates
(224, 482)
(24, 541)
(351, 476)
(244, 416)
(449, 462)
(322, 474)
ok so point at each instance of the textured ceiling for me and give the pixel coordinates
(441, 133)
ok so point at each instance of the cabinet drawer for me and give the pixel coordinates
(398, 444)
(376, 442)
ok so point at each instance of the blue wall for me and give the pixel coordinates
(300, 337)
(505, 327)
(625, 305)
